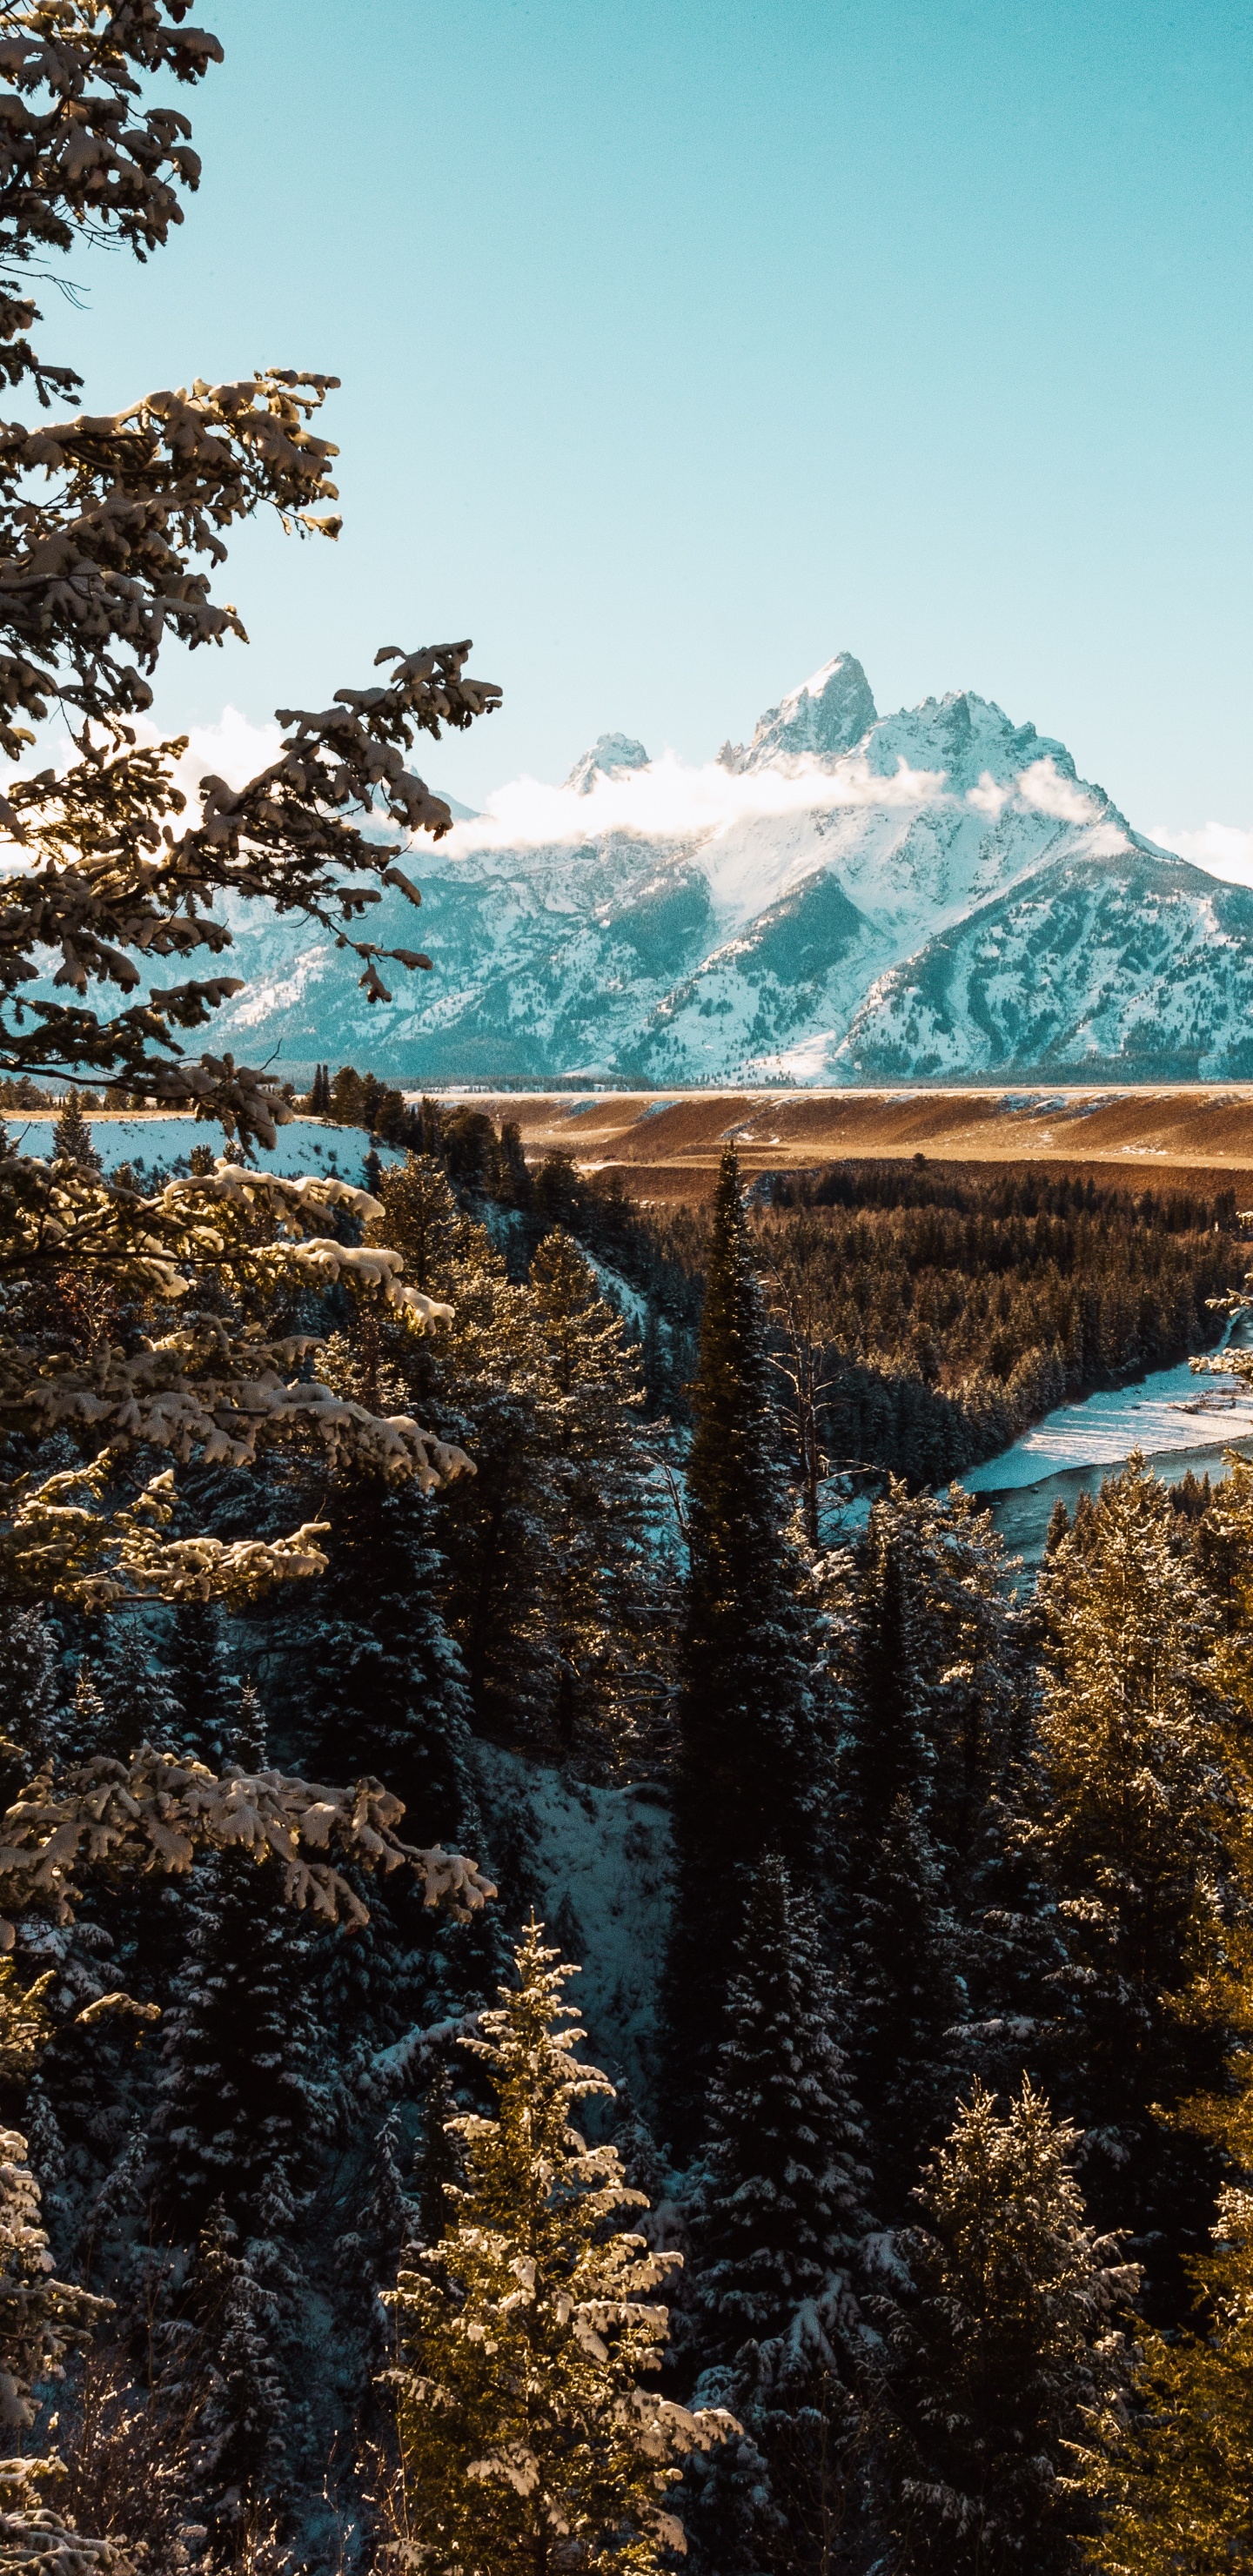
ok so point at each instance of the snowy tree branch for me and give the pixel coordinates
(154, 1813)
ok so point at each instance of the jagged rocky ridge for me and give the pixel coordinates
(927, 896)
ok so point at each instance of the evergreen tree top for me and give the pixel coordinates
(527, 2436)
(527, 2046)
(71, 1136)
(781, 2211)
(1006, 2342)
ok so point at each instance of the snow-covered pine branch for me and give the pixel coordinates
(111, 882)
(155, 1812)
(214, 1385)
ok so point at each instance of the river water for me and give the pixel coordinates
(1178, 1420)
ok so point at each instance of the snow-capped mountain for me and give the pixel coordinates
(931, 895)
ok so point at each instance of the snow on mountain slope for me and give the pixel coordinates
(1124, 966)
(849, 897)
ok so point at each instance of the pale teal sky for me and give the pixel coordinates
(683, 345)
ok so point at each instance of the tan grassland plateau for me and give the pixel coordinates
(667, 1145)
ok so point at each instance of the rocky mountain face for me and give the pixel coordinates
(849, 898)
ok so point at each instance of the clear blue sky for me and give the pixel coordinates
(684, 344)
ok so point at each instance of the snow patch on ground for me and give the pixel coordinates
(600, 1861)
(307, 1145)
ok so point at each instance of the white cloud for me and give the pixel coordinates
(1107, 842)
(987, 797)
(1043, 788)
(234, 749)
(1225, 849)
(671, 801)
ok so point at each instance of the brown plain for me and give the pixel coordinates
(667, 1145)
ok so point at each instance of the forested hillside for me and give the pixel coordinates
(907, 1908)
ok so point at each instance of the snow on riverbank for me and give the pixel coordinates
(1169, 1410)
(307, 1145)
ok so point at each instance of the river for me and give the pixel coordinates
(1178, 1420)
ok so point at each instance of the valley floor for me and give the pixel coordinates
(667, 1145)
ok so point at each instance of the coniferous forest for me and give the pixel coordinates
(424, 1605)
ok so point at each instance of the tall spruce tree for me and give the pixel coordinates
(906, 1999)
(238, 2463)
(71, 1136)
(199, 1681)
(746, 1776)
(1006, 2341)
(900, 1944)
(140, 1706)
(384, 1687)
(483, 1381)
(780, 2213)
(778, 2223)
(240, 2102)
(1129, 1831)
(528, 2330)
(1174, 2471)
(604, 1610)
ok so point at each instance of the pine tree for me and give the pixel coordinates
(140, 1706)
(238, 2094)
(383, 1680)
(1174, 2474)
(1128, 1831)
(383, 2218)
(29, 1696)
(86, 1728)
(484, 1382)
(603, 1610)
(1174, 2471)
(778, 2219)
(777, 2223)
(199, 1682)
(900, 1944)
(746, 1775)
(71, 1136)
(527, 2435)
(440, 2163)
(884, 1755)
(241, 2414)
(901, 1970)
(1005, 2342)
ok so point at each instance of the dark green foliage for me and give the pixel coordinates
(29, 1695)
(243, 2408)
(383, 1691)
(1126, 1824)
(902, 1967)
(780, 2211)
(71, 1137)
(996, 2351)
(200, 1683)
(441, 2163)
(238, 2114)
(361, 1100)
(959, 1307)
(746, 1778)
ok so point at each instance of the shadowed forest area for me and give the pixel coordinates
(938, 1895)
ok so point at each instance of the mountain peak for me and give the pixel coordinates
(827, 715)
(608, 757)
